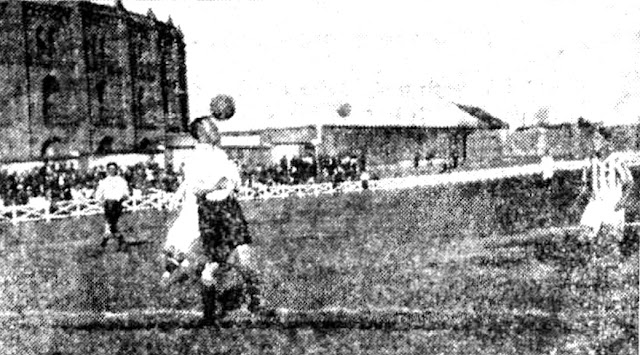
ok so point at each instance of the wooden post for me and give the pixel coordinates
(14, 215)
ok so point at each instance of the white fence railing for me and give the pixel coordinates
(158, 199)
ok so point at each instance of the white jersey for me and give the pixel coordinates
(112, 188)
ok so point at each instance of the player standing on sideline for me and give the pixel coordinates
(112, 191)
(364, 179)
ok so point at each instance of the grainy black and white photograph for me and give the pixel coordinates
(319, 177)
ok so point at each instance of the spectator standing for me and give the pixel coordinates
(547, 165)
(364, 179)
(22, 196)
(284, 163)
(112, 191)
(338, 177)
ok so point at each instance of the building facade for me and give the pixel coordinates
(376, 145)
(562, 141)
(87, 78)
(381, 146)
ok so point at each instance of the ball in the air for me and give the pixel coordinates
(222, 107)
(344, 110)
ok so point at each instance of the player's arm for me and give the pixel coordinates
(227, 183)
(228, 177)
(182, 189)
(222, 185)
(221, 190)
(125, 190)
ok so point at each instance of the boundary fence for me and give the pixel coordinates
(158, 199)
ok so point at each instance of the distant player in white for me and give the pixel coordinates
(112, 191)
(610, 179)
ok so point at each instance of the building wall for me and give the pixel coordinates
(14, 88)
(567, 141)
(392, 145)
(109, 79)
(289, 135)
(387, 145)
(523, 143)
(379, 145)
(250, 156)
(485, 145)
(56, 76)
(81, 72)
(560, 142)
(624, 137)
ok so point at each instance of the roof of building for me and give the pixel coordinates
(425, 111)
(485, 117)
(117, 8)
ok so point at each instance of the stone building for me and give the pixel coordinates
(87, 78)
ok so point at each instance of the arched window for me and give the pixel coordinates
(50, 147)
(93, 52)
(45, 42)
(102, 53)
(105, 146)
(140, 106)
(144, 145)
(50, 97)
(51, 41)
(41, 42)
(101, 89)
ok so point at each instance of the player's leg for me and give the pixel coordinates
(105, 235)
(108, 215)
(211, 307)
(243, 258)
(117, 212)
(211, 310)
(254, 281)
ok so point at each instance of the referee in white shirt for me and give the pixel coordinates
(112, 191)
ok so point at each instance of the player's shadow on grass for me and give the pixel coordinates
(538, 333)
(499, 260)
(569, 249)
(100, 271)
(92, 292)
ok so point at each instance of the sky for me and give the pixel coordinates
(288, 62)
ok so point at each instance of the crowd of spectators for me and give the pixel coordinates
(305, 170)
(59, 181)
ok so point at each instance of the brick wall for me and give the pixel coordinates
(81, 72)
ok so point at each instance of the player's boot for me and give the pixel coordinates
(122, 244)
(256, 302)
(211, 312)
(177, 268)
(106, 235)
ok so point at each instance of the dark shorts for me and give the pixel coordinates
(112, 212)
(222, 227)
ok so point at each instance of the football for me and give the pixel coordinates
(344, 110)
(222, 107)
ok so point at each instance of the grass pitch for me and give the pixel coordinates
(418, 271)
